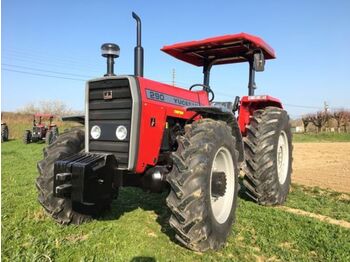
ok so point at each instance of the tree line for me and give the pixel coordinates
(320, 119)
(55, 107)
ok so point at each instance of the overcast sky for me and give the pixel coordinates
(49, 48)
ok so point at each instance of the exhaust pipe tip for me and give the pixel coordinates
(138, 51)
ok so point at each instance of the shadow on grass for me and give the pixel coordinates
(143, 259)
(8, 140)
(241, 192)
(130, 199)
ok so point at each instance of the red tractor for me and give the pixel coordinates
(41, 131)
(143, 133)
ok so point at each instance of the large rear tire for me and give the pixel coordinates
(268, 154)
(49, 137)
(55, 133)
(4, 133)
(204, 185)
(64, 211)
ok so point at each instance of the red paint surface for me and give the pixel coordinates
(43, 115)
(249, 104)
(227, 46)
(151, 136)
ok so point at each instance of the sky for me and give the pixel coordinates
(50, 48)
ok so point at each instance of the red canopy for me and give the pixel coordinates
(224, 49)
(43, 115)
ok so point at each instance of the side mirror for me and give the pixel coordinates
(259, 62)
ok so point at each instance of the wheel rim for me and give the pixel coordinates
(222, 205)
(282, 157)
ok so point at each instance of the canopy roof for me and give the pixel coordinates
(43, 115)
(225, 49)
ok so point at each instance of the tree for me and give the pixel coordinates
(319, 120)
(346, 120)
(306, 121)
(55, 107)
(339, 116)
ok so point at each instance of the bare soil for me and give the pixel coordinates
(326, 165)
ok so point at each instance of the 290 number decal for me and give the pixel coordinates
(156, 96)
(169, 99)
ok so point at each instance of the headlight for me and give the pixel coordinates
(121, 132)
(95, 132)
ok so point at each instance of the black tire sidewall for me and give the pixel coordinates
(283, 125)
(48, 137)
(4, 133)
(220, 231)
(27, 137)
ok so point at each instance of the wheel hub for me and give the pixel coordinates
(222, 185)
(218, 184)
(282, 157)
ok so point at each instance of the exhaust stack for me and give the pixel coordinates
(138, 51)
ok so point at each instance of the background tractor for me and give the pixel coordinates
(41, 131)
(142, 133)
(4, 132)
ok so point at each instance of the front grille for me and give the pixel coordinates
(108, 113)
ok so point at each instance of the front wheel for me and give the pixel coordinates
(268, 152)
(204, 185)
(64, 211)
(27, 137)
(49, 137)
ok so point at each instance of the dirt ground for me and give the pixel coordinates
(326, 165)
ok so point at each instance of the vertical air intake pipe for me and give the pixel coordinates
(138, 51)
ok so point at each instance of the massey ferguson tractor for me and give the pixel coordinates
(143, 133)
(41, 131)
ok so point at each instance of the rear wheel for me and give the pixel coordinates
(4, 133)
(27, 137)
(49, 137)
(64, 211)
(204, 185)
(55, 133)
(268, 152)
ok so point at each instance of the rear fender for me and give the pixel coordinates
(77, 118)
(249, 104)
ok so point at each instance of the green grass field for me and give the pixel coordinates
(321, 137)
(136, 229)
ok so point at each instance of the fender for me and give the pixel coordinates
(223, 114)
(79, 119)
(249, 104)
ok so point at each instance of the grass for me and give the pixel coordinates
(321, 137)
(324, 202)
(136, 229)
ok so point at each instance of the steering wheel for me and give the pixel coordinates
(206, 89)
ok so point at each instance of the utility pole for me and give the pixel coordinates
(326, 107)
(174, 76)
